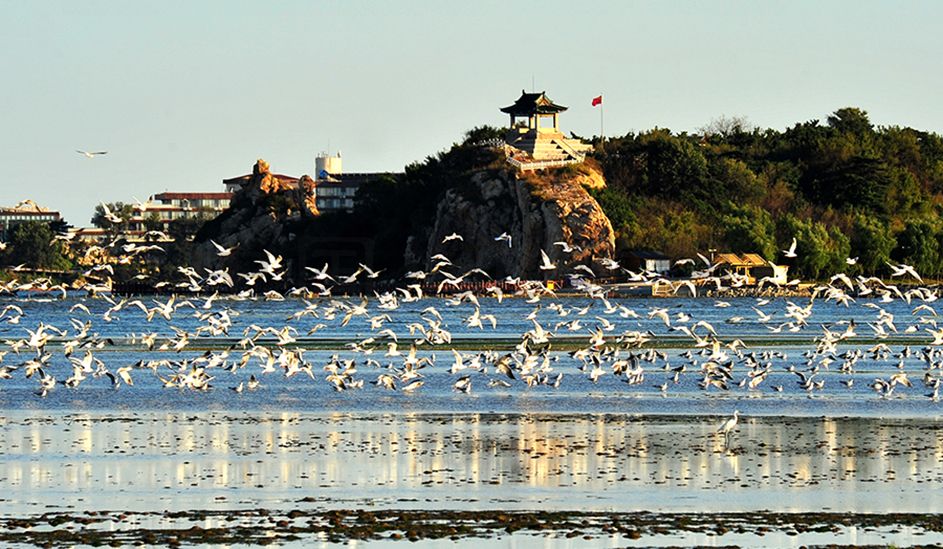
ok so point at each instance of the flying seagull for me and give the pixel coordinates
(87, 154)
(791, 252)
(503, 236)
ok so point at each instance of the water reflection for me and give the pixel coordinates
(186, 461)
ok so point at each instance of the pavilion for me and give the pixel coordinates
(534, 135)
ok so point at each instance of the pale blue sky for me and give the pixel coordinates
(184, 94)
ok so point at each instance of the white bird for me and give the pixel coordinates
(271, 264)
(111, 217)
(728, 426)
(545, 263)
(567, 249)
(503, 236)
(791, 252)
(320, 274)
(87, 154)
(453, 236)
(222, 251)
(900, 270)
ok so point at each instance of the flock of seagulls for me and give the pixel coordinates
(394, 348)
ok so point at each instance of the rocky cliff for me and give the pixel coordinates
(535, 210)
(480, 203)
(267, 213)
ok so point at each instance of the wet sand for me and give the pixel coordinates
(301, 478)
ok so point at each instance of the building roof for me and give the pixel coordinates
(27, 207)
(353, 179)
(647, 254)
(193, 196)
(530, 104)
(243, 179)
(745, 260)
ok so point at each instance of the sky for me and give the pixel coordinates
(185, 94)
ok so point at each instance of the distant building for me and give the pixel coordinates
(23, 212)
(169, 207)
(647, 260)
(752, 266)
(532, 142)
(233, 184)
(334, 191)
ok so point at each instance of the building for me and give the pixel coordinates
(647, 260)
(534, 139)
(233, 184)
(166, 208)
(23, 212)
(752, 266)
(335, 189)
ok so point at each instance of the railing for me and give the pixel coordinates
(540, 165)
(496, 143)
(567, 148)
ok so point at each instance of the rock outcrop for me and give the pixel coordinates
(264, 214)
(535, 210)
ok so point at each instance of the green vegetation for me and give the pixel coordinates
(119, 209)
(842, 189)
(34, 245)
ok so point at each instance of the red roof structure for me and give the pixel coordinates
(243, 179)
(193, 196)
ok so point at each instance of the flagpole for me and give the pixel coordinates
(602, 132)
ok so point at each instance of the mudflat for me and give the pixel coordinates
(252, 477)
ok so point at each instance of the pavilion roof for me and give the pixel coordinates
(530, 104)
(745, 260)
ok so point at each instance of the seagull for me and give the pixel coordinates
(902, 269)
(545, 263)
(503, 236)
(791, 252)
(111, 217)
(453, 236)
(270, 264)
(222, 251)
(567, 249)
(87, 154)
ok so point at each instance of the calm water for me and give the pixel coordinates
(605, 445)
(575, 394)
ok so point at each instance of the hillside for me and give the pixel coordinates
(842, 188)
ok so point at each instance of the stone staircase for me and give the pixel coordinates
(537, 150)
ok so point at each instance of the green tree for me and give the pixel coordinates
(673, 165)
(872, 243)
(617, 206)
(123, 211)
(820, 250)
(918, 245)
(34, 244)
(850, 120)
(749, 229)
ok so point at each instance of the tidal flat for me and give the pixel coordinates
(557, 480)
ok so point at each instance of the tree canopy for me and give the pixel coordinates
(842, 187)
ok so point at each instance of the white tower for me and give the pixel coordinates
(326, 165)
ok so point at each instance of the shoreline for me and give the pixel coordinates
(263, 527)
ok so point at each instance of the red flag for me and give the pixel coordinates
(597, 100)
